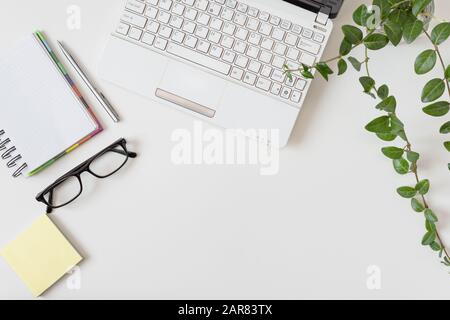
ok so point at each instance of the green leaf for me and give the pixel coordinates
(306, 73)
(417, 205)
(289, 75)
(430, 226)
(430, 215)
(379, 125)
(376, 41)
(401, 134)
(396, 125)
(386, 136)
(392, 152)
(440, 33)
(419, 6)
(412, 30)
(409, 17)
(398, 17)
(368, 83)
(447, 73)
(342, 67)
(445, 128)
(353, 34)
(435, 246)
(287, 71)
(389, 104)
(360, 15)
(423, 186)
(412, 156)
(394, 32)
(401, 166)
(447, 145)
(384, 6)
(433, 90)
(355, 63)
(406, 192)
(425, 62)
(345, 48)
(437, 109)
(324, 70)
(428, 238)
(383, 92)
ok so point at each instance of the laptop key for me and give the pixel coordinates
(135, 6)
(250, 78)
(309, 46)
(135, 34)
(134, 19)
(301, 84)
(263, 84)
(286, 92)
(237, 73)
(122, 29)
(296, 96)
(276, 89)
(148, 38)
(160, 43)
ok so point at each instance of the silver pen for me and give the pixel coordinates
(100, 96)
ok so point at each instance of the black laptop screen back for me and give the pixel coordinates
(315, 5)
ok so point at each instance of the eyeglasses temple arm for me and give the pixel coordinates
(50, 201)
(128, 153)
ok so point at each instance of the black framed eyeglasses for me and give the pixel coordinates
(70, 186)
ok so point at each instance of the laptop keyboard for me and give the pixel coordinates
(228, 37)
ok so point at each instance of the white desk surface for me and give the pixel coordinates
(160, 231)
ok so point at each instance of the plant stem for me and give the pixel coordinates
(414, 170)
(416, 175)
(366, 62)
(441, 60)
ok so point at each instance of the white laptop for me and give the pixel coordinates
(220, 60)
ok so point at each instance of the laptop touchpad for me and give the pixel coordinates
(191, 89)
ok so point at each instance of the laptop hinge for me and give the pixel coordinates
(323, 15)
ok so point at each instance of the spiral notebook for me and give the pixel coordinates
(42, 114)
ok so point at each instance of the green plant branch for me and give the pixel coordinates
(425, 203)
(414, 168)
(398, 23)
(441, 59)
(366, 61)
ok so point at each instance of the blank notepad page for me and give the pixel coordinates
(39, 111)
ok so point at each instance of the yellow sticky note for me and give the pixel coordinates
(41, 255)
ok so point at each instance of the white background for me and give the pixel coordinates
(160, 231)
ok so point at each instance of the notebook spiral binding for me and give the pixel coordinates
(8, 153)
